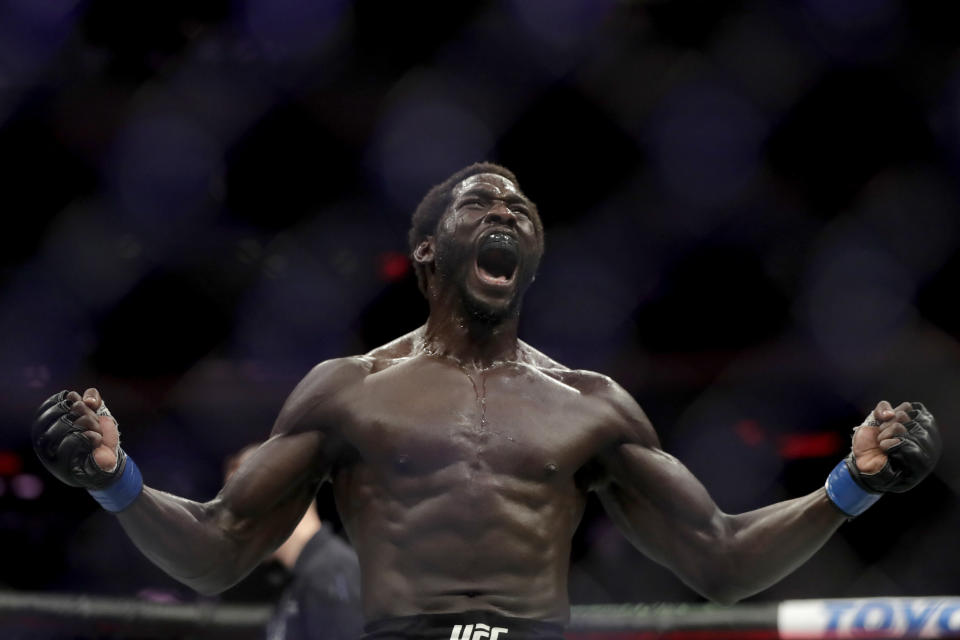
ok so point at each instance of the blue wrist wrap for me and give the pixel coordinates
(121, 492)
(843, 490)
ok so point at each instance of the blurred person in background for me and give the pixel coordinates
(322, 599)
(461, 458)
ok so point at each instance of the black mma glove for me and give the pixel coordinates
(68, 454)
(908, 462)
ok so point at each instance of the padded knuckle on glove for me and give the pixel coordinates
(908, 462)
(892, 448)
(73, 448)
(55, 399)
(63, 449)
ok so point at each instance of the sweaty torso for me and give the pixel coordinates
(461, 489)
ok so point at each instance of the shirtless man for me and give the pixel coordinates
(461, 458)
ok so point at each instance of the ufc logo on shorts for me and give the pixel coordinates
(476, 632)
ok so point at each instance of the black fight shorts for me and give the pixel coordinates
(469, 625)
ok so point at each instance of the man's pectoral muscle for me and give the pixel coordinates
(454, 504)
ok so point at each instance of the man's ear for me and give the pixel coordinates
(424, 251)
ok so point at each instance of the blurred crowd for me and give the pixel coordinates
(751, 214)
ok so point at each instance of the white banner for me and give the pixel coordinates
(928, 617)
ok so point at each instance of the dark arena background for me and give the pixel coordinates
(752, 224)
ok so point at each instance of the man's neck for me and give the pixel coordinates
(472, 343)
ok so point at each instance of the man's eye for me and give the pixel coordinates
(520, 211)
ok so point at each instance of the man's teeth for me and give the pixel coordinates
(492, 278)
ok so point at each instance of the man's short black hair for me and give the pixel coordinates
(427, 215)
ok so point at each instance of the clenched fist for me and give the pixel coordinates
(895, 448)
(77, 440)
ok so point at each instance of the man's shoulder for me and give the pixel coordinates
(583, 380)
(586, 382)
(339, 373)
(341, 370)
(538, 359)
(605, 390)
(625, 413)
(321, 395)
(332, 377)
(401, 347)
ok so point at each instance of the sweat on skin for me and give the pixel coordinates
(461, 457)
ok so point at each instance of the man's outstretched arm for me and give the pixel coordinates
(208, 546)
(666, 513)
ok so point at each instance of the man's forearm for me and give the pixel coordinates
(765, 545)
(184, 539)
(208, 546)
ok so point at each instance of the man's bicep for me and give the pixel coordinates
(661, 507)
(265, 497)
(301, 450)
(275, 484)
(277, 471)
(646, 488)
(315, 404)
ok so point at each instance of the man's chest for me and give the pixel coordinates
(421, 417)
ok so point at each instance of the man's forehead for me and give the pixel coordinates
(491, 181)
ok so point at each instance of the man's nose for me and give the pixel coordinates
(500, 213)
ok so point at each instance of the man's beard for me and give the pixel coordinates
(485, 313)
(453, 264)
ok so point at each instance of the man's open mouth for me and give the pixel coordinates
(497, 258)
